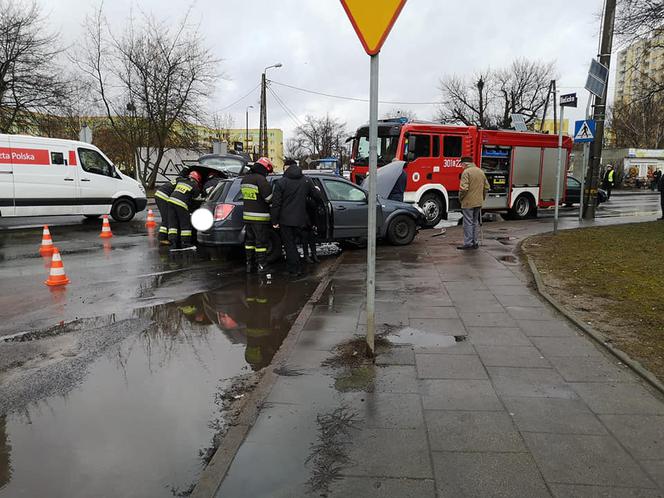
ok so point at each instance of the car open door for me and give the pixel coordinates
(349, 208)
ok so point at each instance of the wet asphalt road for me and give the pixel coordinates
(116, 384)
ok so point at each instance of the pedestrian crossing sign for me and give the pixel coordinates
(584, 131)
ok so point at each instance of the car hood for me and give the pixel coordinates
(386, 178)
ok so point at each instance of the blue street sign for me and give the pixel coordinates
(584, 131)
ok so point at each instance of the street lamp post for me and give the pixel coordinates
(246, 136)
(262, 134)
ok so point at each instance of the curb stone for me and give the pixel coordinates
(597, 336)
(215, 471)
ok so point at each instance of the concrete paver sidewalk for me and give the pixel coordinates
(496, 395)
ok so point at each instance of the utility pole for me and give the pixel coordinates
(246, 135)
(262, 133)
(599, 113)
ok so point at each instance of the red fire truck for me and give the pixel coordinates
(520, 166)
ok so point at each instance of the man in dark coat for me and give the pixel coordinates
(289, 210)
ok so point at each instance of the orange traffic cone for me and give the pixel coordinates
(106, 229)
(57, 274)
(46, 247)
(150, 223)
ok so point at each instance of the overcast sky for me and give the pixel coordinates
(320, 51)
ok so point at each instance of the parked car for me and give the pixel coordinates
(48, 176)
(573, 193)
(344, 217)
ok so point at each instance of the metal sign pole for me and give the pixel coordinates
(586, 149)
(560, 167)
(371, 231)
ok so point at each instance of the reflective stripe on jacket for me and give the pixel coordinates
(185, 191)
(256, 195)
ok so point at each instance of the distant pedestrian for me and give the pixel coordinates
(661, 195)
(609, 181)
(289, 210)
(656, 177)
(472, 193)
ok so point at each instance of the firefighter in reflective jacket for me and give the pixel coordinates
(161, 197)
(256, 197)
(180, 201)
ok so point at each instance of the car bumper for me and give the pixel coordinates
(221, 236)
(141, 203)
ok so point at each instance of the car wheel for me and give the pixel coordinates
(433, 208)
(123, 210)
(569, 204)
(523, 208)
(401, 231)
(274, 253)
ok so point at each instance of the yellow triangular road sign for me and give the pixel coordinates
(373, 20)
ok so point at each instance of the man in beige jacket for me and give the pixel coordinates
(472, 192)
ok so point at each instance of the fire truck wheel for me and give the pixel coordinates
(433, 207)
(523, 208)
(401, 231)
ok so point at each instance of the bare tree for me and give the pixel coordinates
(222, 125)
(317, 138)
(639, 122)
(639, 19)
(151, 81)
(488, 98)
(30, 81)
(467, 100)
(522, 89)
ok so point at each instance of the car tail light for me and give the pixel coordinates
(223, 211)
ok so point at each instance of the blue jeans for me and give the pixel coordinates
(471, 226)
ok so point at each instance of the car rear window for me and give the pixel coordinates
(220, 193)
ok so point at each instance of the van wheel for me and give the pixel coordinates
(523, 208)
(433, 208)
(123, 210)
(274, 254)
(401, 231)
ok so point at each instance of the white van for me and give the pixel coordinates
(48, 176)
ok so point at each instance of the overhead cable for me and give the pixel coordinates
(355, 99)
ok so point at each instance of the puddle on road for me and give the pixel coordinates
(509, 259)
(138, 418)
(424, 339)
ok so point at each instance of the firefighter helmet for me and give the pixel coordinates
(195, 175)
(266, 163)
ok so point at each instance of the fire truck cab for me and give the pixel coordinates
(520, 166)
